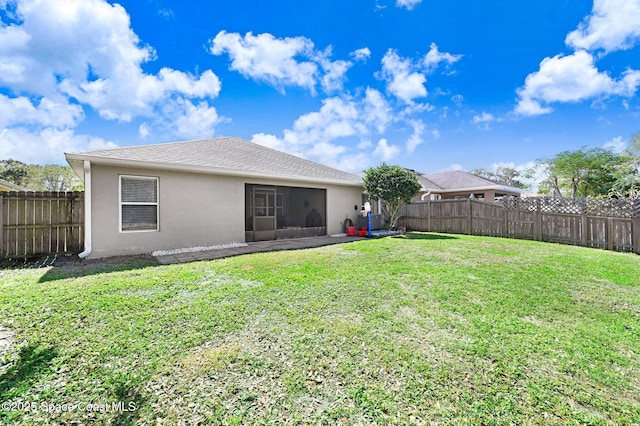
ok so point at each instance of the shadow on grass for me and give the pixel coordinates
(425, 236)
(125, 388)
(33, 361)
(82, 268)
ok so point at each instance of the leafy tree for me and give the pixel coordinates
(394, 185)
(580, 173)
(50, 177)
(13, 171)
(627, 174)
(505, 175)
(53, 177)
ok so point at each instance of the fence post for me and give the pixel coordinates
(69, 228)
(610, 235)
(470, 218)
(1, 226)
(635, 229)
(429, 216)
(584, 229)
(505, 220)
(537, 222)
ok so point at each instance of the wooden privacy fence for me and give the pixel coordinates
(601, 223)
(41, 223)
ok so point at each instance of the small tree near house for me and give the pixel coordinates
(394, 185)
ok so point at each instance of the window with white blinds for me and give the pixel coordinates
(138, 203)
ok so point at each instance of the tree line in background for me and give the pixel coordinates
(50, 177)
(595, 172)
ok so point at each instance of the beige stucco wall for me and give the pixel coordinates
(194, 209)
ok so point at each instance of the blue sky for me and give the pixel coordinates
(431, 85)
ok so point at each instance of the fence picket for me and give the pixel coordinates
(41, 223)
(601, 223)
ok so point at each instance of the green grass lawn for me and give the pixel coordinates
(422, 329)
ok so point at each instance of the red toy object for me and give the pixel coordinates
(351, 231)
(362, 232)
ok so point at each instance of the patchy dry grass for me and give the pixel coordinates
(425, 329)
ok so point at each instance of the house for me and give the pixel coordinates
(5, 185)
(207, 192)
(460, 184)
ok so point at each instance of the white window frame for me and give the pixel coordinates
(130, 203)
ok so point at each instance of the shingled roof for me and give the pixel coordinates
(227, 156)
(454, 180)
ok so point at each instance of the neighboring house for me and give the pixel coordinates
(460, 184)
(8, 186)
(207, 192)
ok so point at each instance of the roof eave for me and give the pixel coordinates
(74, 158)
(13, 186)
(478, 188)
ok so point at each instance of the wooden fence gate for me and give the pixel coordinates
(602, 223)
(41, 223)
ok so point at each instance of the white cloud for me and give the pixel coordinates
(334, 72)
(353, 162)
(434, 57)
(191, 121)
(365, 144)
(327, 152)
(60, 57)
(376, 111)
(458, 100)
(46, 145)
(270, 141)
(88, 51)
(530, 107)
(361, 54)
(21, 111)
(571, 78)
(266, 58)
(337, 118)
(282, 62)
(409, 4)
(617, 145)
(613, 25)
(402, 81)
(144, 130)
(166, 13)
(484, 120)
(406, 79)
(188, 120)
(455, 166)
(416, 108)
(124, 99)
(485, 117)
(386, 151)
(416, 137)
(317, 135)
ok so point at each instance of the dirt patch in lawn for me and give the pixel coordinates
(6, 339)
(249, 373)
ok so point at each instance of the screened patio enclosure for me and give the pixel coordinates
(280, 212)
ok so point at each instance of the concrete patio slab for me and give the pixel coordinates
(257, 247)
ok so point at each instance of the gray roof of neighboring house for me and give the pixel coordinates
(458, 180)
(228, 155)
(12, 186)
